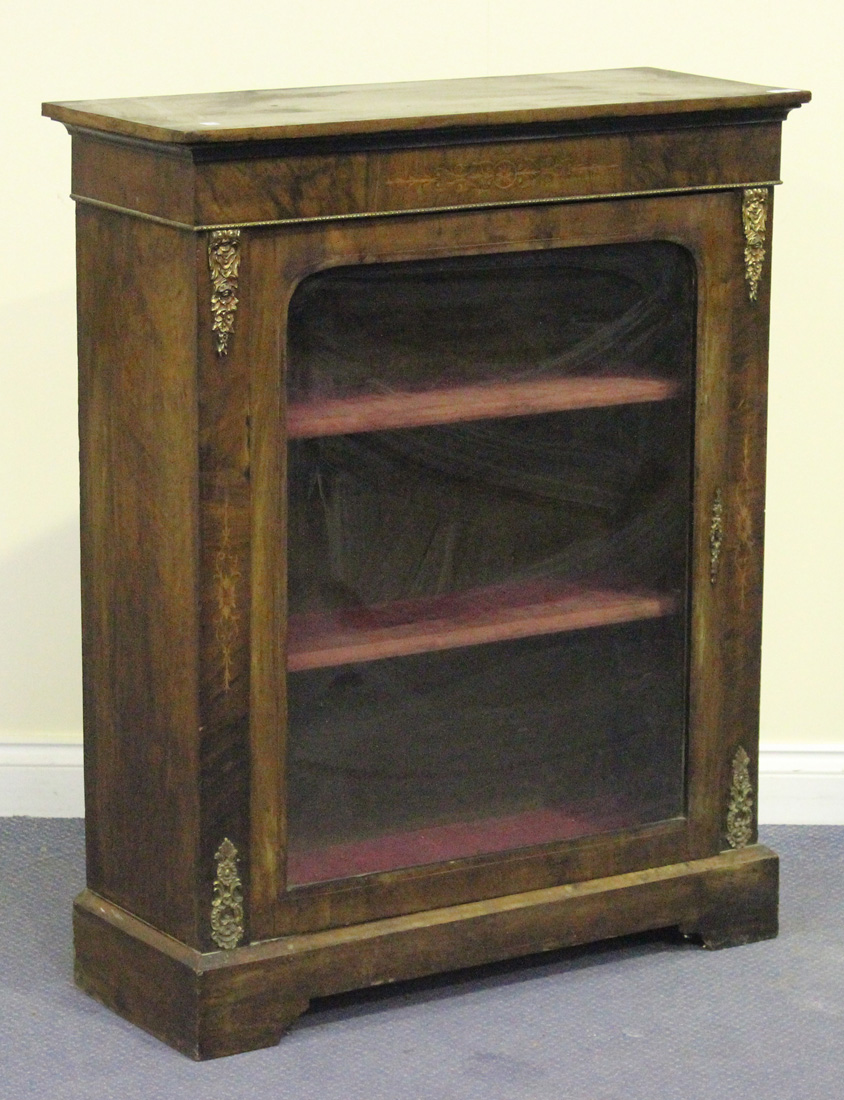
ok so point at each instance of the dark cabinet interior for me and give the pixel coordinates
(489, 484)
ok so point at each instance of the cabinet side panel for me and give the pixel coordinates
(138, 448)
(744, 500)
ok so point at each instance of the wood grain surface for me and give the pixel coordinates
(372, 108)
(186, 635)
(277, 183)
(212, 1005)
(139, 487)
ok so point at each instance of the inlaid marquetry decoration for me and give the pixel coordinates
(740, 812)
(227, 904)
(224, 262)
(754, 215)
(497, 176)
(716, 535)
(226, 585)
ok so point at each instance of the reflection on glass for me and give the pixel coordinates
(489, 475)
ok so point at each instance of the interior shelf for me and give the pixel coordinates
(496, 613)
(437, 843)
(381, 411)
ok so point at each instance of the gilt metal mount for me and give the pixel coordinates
(227, 904)
(740, 812)
(224, 262)
(716, 535)
(754, 216)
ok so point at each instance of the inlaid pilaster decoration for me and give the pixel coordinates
(227, 904)
(754, 216)
(740, 812)
(716, 535)
(224, 262)
(227, 619)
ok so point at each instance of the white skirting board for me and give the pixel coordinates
(41, 780)
(798, 784)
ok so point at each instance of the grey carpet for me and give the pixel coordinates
(639, 1019)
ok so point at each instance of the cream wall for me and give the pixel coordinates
(96, 49)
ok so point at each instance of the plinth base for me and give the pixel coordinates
(225, 1002)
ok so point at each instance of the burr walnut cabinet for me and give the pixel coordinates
(422, 470)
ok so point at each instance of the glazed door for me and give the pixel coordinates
(491, 435)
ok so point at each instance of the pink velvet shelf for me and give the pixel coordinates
(493, 614)
(438, 843)
(379, 412)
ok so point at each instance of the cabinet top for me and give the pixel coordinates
(419, 106)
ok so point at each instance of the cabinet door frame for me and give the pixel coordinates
(728, 497)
